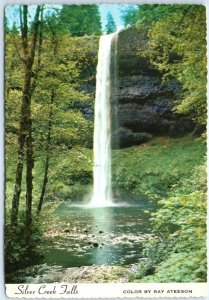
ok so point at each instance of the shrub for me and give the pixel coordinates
(182, 258)
(19, 250)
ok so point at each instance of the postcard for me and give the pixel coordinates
(105, 150)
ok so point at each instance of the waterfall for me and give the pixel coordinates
(102, 191)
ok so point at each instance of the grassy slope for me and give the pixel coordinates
(162, 166)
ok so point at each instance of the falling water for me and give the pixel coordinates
(102, 192)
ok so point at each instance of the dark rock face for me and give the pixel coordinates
(144, 103)
(123, 138)
(141, 88)
(87, 109)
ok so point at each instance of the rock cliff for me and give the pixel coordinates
(142, 103)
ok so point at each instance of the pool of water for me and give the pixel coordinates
(99, 235)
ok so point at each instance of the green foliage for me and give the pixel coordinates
(66, 66)
(167, 176)
(197, 181)
(129, 15)
(80, 20)
(174, 254)
(20, 252)
(13, 82)
(70, 176)
(110, 27)
(177, 252)
(84, 54)
(80, 133)
(182, 267)
(149, 14)
(178, 48)
(184, 215)
(182, 221)
(155, 251)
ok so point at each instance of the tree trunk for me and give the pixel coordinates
(48, 141)
(48, 147)
(29, 176)
(25, 117)
(21, 142)
(29, 139)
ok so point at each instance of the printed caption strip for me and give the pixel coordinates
(132, 290)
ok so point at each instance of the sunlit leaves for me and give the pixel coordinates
(178, 49)
(182, 219)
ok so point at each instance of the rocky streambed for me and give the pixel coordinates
(91, 245)
(86, 274)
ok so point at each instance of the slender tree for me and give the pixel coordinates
(80, 20)
(54, 35)
(48, 148)
(110, 26)
(25, 127)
